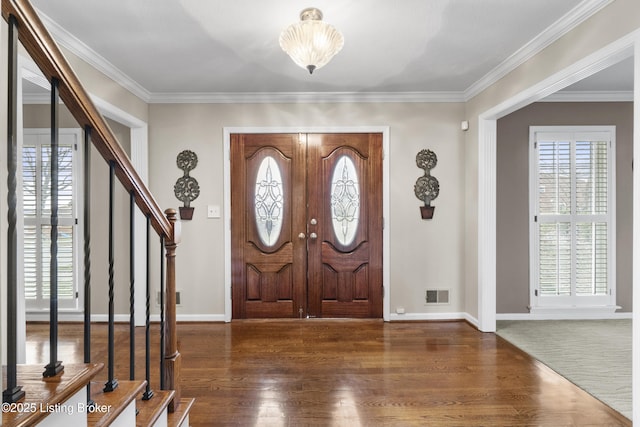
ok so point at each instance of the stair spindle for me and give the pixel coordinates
(55, 366)
(112, 382)
(87, 254)
(132, 286)
(148, 393)
(13, 392)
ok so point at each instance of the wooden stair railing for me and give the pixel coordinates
(43, 50)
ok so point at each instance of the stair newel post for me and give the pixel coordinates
(172, 355)
(111, 383)
(55, 366)
(148, 393)
(162, 313)
(13, 392)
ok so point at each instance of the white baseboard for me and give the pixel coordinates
(199, 318)
(564, 315)
(122, 318)
(395, 317)
(63, 316)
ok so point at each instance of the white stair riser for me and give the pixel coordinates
(127, 418)
(162, 419)
(73, 412)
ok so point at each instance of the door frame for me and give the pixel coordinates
(384, 130)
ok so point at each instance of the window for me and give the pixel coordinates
(573, 216)
(36, 207)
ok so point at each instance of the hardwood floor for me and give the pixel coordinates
(352, 373)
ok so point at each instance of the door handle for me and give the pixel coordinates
(313, 236)
(301, 236)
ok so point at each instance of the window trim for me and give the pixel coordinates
(539, 302)
(77, 134)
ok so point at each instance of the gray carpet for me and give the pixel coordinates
(593, 354)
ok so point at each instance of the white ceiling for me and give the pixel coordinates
(181, 49)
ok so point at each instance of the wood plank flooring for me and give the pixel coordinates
(353, 373)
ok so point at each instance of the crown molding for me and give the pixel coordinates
(303, 97)
(272, 98)
(562, 26)
(84, 52)
(590, 96)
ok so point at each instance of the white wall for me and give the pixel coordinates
(423, 253)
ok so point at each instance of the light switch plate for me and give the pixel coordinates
(213, 211)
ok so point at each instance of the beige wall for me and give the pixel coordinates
(38, 116)
(106, 89)
(100, 232)
(423, 253)
(512, 269)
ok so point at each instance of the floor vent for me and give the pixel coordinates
(437, 296)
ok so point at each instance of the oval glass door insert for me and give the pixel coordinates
(345, 200)
(269, 201)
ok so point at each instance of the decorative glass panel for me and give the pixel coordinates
(345, 200)
(269, 201)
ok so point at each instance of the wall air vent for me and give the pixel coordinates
(437, 296)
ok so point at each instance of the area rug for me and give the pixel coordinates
(593, 354)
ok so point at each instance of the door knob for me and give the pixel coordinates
(313, 236)
(313, 221)
(301, 236)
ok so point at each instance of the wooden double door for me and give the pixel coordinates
(306, 225)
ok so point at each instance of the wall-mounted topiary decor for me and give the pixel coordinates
(187, 188)
(427, 187)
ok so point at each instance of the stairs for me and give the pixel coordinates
(61, 401)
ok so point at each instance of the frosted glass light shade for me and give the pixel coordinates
(311, 43)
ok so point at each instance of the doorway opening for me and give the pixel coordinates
(307, 232)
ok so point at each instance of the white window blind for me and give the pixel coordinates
(573, 221)
(36, 206)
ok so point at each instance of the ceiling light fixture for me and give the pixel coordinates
(311, 43)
